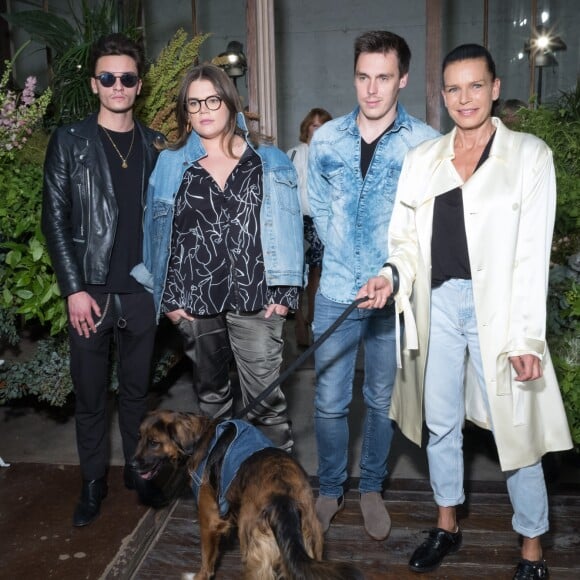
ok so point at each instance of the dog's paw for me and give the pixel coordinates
(188, 576)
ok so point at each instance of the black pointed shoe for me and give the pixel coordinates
(528, 570)
(130, 475)
(89, 506)
(431, 552)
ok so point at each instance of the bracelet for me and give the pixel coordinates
(394, 275)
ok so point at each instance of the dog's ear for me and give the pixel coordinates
(184, 430)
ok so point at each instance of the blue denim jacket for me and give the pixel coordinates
(352, 215)
(280, 216)
(247, 441)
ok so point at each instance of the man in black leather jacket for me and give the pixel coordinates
(95, 180)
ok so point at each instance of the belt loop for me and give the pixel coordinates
(121, 322)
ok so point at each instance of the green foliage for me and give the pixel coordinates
(46, 376)
(156, 104)
(563, 329)
(28, 288)
(27, 281)
(71, 45)
(559, 127)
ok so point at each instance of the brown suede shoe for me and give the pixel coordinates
(375, 515)
(327, 508)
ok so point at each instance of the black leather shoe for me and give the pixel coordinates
(528, 570)
(130, 475)
(431, 552)
(89, 506)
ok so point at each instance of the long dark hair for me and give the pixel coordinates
(224, 88)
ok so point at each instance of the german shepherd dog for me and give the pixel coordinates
(269, 498)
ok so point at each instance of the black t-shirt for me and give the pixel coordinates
(367, 150)
(127, 184)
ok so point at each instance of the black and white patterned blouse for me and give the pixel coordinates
(216, 260)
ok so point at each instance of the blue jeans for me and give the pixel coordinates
(454, 332)
(334, 363)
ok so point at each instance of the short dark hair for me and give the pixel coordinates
(116, 44)
(324, 116)
(469, 52)
(384, 42)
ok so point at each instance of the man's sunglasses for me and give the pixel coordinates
(108, 79)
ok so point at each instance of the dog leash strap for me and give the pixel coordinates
(297, 362)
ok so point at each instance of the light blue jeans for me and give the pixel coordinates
(335, 362)
(453, 333)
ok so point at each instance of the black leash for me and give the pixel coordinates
(297, 362)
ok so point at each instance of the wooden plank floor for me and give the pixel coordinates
(490, 548)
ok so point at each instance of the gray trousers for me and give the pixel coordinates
(256, 345)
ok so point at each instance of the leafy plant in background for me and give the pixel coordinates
(156, 105)
(70, 43)
(559, 127)
(28, 288)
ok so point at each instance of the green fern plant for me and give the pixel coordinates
(156, 104)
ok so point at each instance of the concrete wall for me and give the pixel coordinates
(314, 51)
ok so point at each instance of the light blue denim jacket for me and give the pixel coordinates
(280, 217)
(352, 215)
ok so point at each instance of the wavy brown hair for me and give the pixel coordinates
(324, 116)
(224, 88)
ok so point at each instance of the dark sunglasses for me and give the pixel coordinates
(108, 79)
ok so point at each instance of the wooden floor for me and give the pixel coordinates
(490, 548)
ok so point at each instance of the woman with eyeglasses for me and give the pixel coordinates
(223, 249)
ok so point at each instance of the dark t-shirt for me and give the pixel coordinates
(127, 184)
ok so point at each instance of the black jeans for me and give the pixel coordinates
(130, 320)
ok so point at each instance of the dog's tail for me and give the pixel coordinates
(284, 519)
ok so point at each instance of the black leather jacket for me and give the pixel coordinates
(79, 210)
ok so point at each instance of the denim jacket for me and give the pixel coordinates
(280, 216)
(352, 215)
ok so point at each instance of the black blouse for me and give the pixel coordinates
(449, 253)
(216, 261)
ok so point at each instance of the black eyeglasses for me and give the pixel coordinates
(128, 80)
(213, 103)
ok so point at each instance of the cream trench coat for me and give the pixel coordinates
(509, 208)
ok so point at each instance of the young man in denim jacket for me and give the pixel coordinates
(354, 167)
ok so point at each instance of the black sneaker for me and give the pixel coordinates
(528, 570)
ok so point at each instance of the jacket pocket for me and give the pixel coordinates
(79, 212)
(334, 175)
(286, 191)
(161, 212)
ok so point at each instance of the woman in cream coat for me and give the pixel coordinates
(469, 245)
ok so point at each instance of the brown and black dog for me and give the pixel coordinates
(241, 480)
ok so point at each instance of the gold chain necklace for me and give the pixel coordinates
(123, 159)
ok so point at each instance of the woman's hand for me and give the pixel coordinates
(378, 289)
(276, 309)
(527, 366)
(176, 315)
